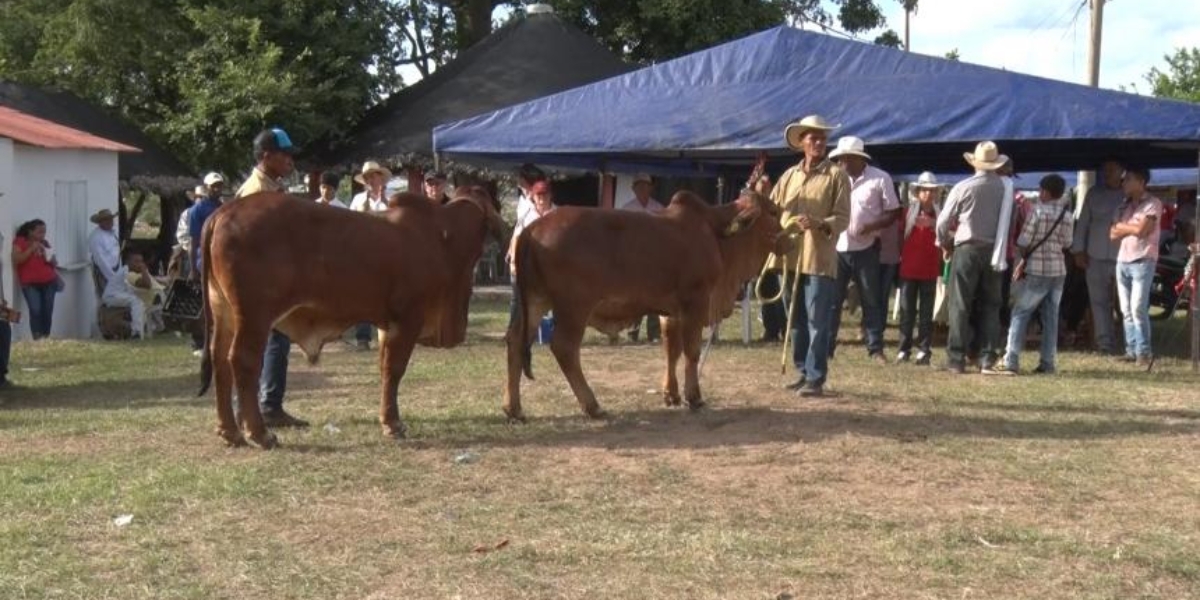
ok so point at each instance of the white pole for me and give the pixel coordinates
(1097, 27)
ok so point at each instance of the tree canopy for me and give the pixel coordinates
(203, 76)
(1181, 80)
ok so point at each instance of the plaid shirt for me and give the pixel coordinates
(1048, 260)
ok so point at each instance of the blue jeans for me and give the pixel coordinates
(39, 298)
(1035, 292)
(272, 383)
(1133, 292)
(863, 267)
(810, 326)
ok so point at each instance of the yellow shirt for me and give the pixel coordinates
(258, 182)
(823, 195)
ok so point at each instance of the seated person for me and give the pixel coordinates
(132, 286)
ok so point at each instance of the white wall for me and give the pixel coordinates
(28, 176)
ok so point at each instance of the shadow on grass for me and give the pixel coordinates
(750, 426)
(176, 390)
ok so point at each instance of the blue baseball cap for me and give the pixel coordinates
(273, 140)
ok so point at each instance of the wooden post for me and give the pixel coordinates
(415, 180)
(608, 190)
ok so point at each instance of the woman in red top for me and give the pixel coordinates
(36, 273)
(920, 265)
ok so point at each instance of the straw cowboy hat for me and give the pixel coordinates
(794, 132)
(103, 215)
(986, 157)
(851, 146)
(926, 180)
(372, 167)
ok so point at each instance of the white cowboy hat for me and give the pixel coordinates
(986, 157)
(372, 167)
(641, 178)
(794, 132)
(212, 178)
(926, 180)
(850, 145)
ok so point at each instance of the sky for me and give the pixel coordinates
(1043, 37)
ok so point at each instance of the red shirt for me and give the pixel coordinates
(35, 270)
(920, 257)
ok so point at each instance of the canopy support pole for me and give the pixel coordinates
(1195, 302)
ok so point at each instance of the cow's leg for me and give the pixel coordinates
(394, 354)
(249, 345)
(691, 331)
(227, 426)
(519, 347)
(568, 335)
(672, 340)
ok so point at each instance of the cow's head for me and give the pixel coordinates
(466, 221)
(758, 218)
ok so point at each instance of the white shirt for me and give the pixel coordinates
(652, 207)
(182, 235)
(361, 203)
(106, 251)
(871, 195)
(117, 285)
(524, 204)
(528, 218)
(337, 203)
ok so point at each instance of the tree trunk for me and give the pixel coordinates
(472, 21)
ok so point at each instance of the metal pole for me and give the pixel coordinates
(1093, 74)
(1195, 300)
(907, 14)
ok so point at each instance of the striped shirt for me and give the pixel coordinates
(1048, 260)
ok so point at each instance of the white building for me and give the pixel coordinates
(62, 176)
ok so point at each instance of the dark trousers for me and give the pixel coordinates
(5, 349)
(362, 333)
(916, 306)
(653, 328)
(974, 285)
(39, 298)
(774, 315)
(863, 267)
(273, 382)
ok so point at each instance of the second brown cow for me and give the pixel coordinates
(606, 269)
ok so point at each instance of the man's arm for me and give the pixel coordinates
(948, 215)
(96, 247)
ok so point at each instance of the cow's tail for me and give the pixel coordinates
(206, 363)
(518, 325)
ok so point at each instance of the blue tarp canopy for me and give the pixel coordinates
(714, 110)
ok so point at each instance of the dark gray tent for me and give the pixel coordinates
(527, 58)
(70, 110)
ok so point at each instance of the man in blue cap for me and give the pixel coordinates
(273, 151)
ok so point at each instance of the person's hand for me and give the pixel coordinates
(947, 254)
(1081, 260)
(804, 223)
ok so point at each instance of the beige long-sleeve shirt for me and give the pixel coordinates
(824, 195)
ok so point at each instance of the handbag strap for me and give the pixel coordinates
(1057, 222)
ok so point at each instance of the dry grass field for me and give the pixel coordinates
(905, 483)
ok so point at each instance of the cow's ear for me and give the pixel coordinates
(742, 221)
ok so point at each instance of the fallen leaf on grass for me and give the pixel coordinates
(484, 549)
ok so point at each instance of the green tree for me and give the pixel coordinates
(1181, 80)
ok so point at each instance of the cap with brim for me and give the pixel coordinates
(273, 140)
(103, 215)
(372, 167)
(212, 178)
(986, 157)
(435, 176)
(794, 132)
(849, 146)
(642, 178)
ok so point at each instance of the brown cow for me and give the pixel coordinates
(311, 271)
(607, 268)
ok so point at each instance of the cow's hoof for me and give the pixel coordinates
(233, 439)
(397, 431)
(267, 442)
(596, 413)
(671, 399)
(515, 417)
(695, 405)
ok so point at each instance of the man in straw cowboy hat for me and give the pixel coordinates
(374, 176)
(920, 267)
(104, 245)
(814, 196)
(966, 231)
(873, 207)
